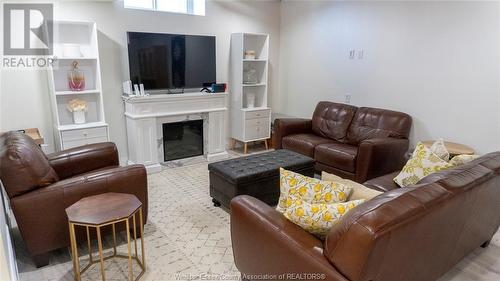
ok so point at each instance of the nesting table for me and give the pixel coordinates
(103, 210)
(453, 148)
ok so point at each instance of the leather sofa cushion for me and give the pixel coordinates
(331, 120)
(339, 155)
(24, 167)
(383, 183)
(369, 123)
(303, 143)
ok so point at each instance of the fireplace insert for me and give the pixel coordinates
(182, 139)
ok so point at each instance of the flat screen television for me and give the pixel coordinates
(168, 62)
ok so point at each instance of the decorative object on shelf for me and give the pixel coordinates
(76, 78)
(78, 107)
(136, 90)
(141, 90)
(249, 54)
(72, 50)
(127, 87)
(250, 96)
(218, 87)
(250, 75)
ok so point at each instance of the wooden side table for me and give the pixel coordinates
(34, 133)
(453, 148)
(99, 211)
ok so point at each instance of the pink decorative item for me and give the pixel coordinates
(76, 78)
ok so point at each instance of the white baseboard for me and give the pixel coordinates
(150, 169)
(217, 156)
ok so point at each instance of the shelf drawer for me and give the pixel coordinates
(73, 143)
(89, 133)
(257, 128)
(257, 114)
(84, 141)
(79, 137)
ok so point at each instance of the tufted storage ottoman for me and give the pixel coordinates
(255, 175)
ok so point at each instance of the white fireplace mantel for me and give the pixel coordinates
(144, 114)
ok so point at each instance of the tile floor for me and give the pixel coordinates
(186, 236)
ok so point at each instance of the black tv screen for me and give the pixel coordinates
(171, 61)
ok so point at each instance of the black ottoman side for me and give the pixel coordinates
(255, 175)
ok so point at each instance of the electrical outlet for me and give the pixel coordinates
(352, 54)
(361, 54)
(348, 98)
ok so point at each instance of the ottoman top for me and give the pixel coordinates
(258, 166)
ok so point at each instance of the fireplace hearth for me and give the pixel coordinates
(182, 139)
(146, 115)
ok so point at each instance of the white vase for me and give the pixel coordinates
(250, 100)
(79, 117)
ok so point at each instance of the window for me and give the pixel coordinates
(193, 7)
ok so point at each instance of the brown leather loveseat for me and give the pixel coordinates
(351, 142)
(416, 233)
(40, 187)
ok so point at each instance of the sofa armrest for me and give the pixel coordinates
(288, 126)
(266, 243)
(82, 159)
(43, 211)
(383, 183)
(380, 156)
(130, 179)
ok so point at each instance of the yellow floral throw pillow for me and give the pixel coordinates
(295, 186)
(440, 150)
(318, 219)
(423, 163)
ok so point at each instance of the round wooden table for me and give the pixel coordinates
(103, 210)
(453, 148)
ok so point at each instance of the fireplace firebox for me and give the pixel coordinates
(182, 139)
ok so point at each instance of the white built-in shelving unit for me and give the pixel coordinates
(249, 124)
(95, 129)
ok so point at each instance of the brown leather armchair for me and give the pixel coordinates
(415, 233)
(354, 143)
(40, 187)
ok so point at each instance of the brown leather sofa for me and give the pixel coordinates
(40, 187)
(415, 233)
(354, 143)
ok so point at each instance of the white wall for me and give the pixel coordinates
(437, 61)
(25, 100)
